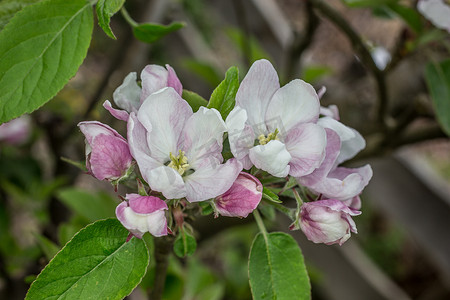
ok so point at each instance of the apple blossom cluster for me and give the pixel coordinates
(272, 131)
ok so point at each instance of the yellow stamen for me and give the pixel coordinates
(270, 137)
(179, 163)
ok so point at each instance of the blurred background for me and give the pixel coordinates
(371, 57)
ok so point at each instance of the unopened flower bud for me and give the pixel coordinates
(327, 221)
(107, 153)
(141, 214)
(241, 199)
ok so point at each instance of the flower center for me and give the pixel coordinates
(179, 163)
(270, 137)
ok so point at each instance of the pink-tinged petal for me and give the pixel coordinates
(272, 158)
(344, 183)
(137, 141)
(256, 90)
(327, 221)
(116, 113)
(203, 137)
(91, 129)
(320, 93)
(167, 181)
(306, 144)
(157, 223)
(240, 136)
(354, 203)
(436, 11)
(110, 157)
(351, 141)
(164, 114)
(156, 77)
(145, 204)
(138, 224)
(173, 81)
(331, 153)
(295, 103)
(210, 182)
(331, 111)
(127, 95)
(242, 198)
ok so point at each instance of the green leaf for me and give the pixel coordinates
(97, 263)
(194, 100)
(411, 17)
(276, 268)
(41, 48)
(271, 196)
(150, 32)
(223, 97)
(437, 76)
(204, 70)
(314, 73)
(8, 8)
(105, 10)
(368, 3)
(87, 204)
(184, 245)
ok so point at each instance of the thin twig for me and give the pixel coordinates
(364, 54)
(301, 43)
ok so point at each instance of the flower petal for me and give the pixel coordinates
(212, 181)
(127, 95)
(116, 113)
(331, 153)
(157, 223)
(203, 137)
(256, 90)
(167, 181)
(306, 144)
(137, 141)
(240, 136)
(294, 103)
(173, 81)
(110, 157)
(272, 157)
(145, 204)
(91, 129)
(163, 114)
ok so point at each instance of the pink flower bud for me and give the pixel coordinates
(141, 214)
(17, 131)
(242, 198)
(327, 221)
(107, 153)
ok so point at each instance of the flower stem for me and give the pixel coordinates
(297, 197)
(163, 248)
(285, 210)
(260, 223)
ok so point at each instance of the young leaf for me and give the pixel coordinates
(97, 263)
(41, 48)
(105, 10)
(411, 17)
(223, 97)
(184, 245)
(194, 100)
(437, 76)
(271, 196)
(276, 268)
(150, 32)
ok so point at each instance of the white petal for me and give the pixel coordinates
(203, 136)
(436, 11)
(240, 135)
(212, 181)
(127, 95)
(351, 141)
(294, 103)
(157, 223)
(256, 90)
(272, 157)
(306, 144)
(137, 142)
(163, 114)
(167, 181)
